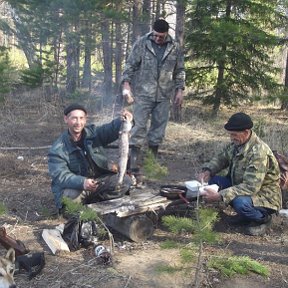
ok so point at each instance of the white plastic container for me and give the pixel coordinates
(196, 188)
(192, 188)
(284, 212)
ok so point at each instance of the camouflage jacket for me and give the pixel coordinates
(68, 166)
(150, 79)
(253, 170)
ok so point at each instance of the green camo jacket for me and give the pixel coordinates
(157, 83)
(254, 171)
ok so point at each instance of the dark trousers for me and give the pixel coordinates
(243, 205)
(107, 189)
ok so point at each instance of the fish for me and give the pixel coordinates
(124, 135)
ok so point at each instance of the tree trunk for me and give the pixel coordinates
(136, 32)
(180, 20)
(118, 48)
(71, 51)
(24, 40)
(157, 9)
(107, 59)
(221, 90)
(146, 16)
(176, 113)
(57, 50)
(86, 78)
(284, 104)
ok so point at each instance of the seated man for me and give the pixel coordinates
(252, 184)
(77, 162)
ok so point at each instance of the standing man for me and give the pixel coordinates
(155, 75)
(252, 184)
(77, 161)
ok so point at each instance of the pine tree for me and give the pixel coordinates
(230, 43)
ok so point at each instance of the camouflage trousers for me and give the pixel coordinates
(158, 113)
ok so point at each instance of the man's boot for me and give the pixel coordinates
(134, 164)
(154, 150)
(259, 228)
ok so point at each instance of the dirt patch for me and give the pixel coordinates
(25, 191)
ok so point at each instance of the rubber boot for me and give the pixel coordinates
(154, 150)
(135, 164)
(134, 158)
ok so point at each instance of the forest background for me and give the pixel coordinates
(60, 51)
(235, 51)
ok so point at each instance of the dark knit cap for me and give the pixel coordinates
(239, 122)
(160, 26)
(74, 106)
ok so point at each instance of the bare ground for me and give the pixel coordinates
(25, 191)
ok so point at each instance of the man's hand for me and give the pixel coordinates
(211, 195)
(178, 100)
(127, 115)
(204, 176)
(90, 185)
(127, 93)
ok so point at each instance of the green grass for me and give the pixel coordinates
(168, 269)
(3, 209)
(188, 255)
(237, 265)
(152, 168)
(169, 244)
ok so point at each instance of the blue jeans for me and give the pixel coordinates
(243, 205)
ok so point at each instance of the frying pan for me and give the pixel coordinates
(173, 192)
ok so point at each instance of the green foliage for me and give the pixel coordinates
(85, 214)
(188, 254)
(3, 209)
(237, 265)
(169, 244)
(73, 208)
(35, 75)
(88, 214)
(6, 72)
(178, 225)
(202, 230)
(152, 168)
(168, 269)
(232, 47)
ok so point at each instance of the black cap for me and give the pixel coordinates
(160, 26)
(74, 106)
(239, 122)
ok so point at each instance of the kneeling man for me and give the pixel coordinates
(252, 184)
